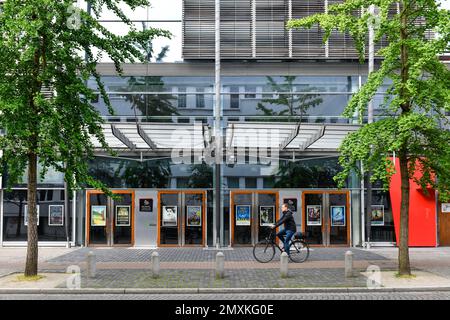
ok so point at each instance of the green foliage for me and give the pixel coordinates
(40, 48)
(416, 100)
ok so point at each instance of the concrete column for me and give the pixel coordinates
(284, 267)
(220, 265)
(91, 261)
(155, 265)
(349, 264)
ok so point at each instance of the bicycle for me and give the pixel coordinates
(264, 251)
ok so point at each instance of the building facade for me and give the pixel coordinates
(276, 118)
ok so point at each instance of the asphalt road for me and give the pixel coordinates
(432, 295)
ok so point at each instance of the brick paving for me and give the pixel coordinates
(194, 267)
(434, 295)
(242, 278)
(201, 255)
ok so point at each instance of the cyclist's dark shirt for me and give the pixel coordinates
(288, 220)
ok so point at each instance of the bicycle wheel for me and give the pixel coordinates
(299, 251)
(264, 251)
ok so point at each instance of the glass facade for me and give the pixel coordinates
(51, 218)
(315, 99)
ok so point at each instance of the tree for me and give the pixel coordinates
(42, 42)
(415, 102)
(294, 103)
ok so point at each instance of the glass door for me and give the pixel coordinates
(241, 218)
(313, 220)
(123, 219)
(194, 218)
(169, 220)
(338, 226)
(252, 214)
(267, 204)
(97, 219)
(182, 218)
(110, 221)
(326, 218)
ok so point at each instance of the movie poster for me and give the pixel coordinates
(243, 215)
(338, 216)
(194, 216)
(123, 216)
(266, 216)
(314, 215)
(98, 216)
(56, 215)
(169, 216)
(377, 215)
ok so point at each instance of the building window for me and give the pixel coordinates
(182, 183)
(181, 98)
(250, 183)
(250, 92)
(233, 183)
(234, 97)
(268, 182)
(51, 226)
(200, 98)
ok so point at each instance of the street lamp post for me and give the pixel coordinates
(370, 119)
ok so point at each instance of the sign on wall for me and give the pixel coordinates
(292, 204)
(146, 205)
(445, 207)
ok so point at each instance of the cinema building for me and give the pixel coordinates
(275, 99)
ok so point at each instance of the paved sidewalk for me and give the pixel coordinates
(194, 267)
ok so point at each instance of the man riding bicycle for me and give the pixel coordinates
(290, 228)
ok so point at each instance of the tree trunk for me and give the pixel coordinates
(404, 267)
(31, 267)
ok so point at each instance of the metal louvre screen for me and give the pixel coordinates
(307, 42)
(341, 45)
(198, 29)
(271, 35)
(254, 29)
(236, 28)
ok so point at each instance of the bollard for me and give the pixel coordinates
(284, 261)
(348, 264)
(155, 264)
(91, 264)
(220, 265)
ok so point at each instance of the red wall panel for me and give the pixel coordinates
(422, 212)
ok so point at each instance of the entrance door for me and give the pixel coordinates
(181, 218)
(110, 221)
(444, 225)
(252, 214)
(326, 218)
